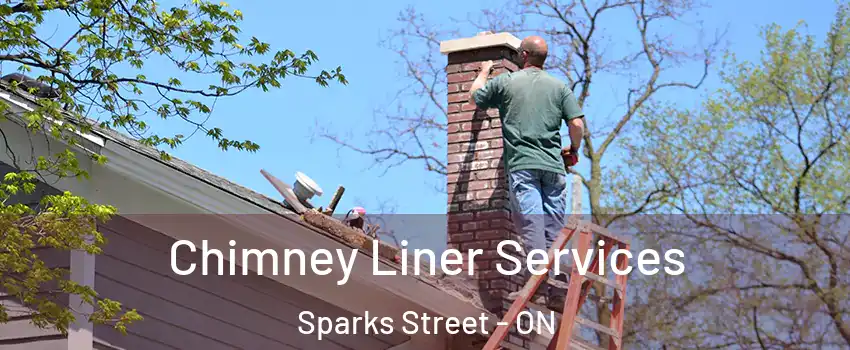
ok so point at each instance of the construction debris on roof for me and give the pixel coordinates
(298, 197)
(295, 198)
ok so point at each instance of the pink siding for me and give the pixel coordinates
(19, 332)
(204, 312)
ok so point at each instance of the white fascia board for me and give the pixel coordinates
(26, 106)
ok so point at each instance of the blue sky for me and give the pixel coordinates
(283, 121)
(347, 33)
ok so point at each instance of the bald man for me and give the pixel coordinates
(532, 104)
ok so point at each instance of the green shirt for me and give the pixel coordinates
(532, 103)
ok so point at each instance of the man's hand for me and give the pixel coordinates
(486, 66)
(479, 82)
(570, 157)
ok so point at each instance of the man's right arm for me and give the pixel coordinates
(574, 117)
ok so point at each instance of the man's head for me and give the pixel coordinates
(533, 51)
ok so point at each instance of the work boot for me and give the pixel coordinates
(556, 303)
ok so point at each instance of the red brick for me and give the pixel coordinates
(490, 134)
(470, 226)
(481, 264)
(468, 107)
(490, 234)
(495, 123)
(471, 67)
(461, 217)
(459, 137)
(453, 128)
(454, 68)
(452, 88)
(453, 227)
(461, 237)
(480, 165)
(466, 147)
(476, 125)
(474, 245)
(490, 193)
(457, 158)
(497, 143)
(501, 224)
(460, 77)
(493, 214)
(488, 154)
(477, 185)
(460, 117)
(453, 108)
(508, 65)
(498, 284)
(459, 97)
(488, 274)
(475, 205)
(499, 203)
(462, 197)
(486, 174)
(490, 254)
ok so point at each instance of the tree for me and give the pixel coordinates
(771, 146)
(90, 73)
(582, 53)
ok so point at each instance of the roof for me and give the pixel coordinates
(461, 287)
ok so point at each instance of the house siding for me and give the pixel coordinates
(19, 332)
(203, 312)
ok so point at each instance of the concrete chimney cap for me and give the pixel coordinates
(480, 41)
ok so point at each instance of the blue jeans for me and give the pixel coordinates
(539, 199)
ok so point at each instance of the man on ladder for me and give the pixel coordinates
(532, 103)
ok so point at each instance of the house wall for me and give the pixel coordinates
(139, 184)
(180, 312)
(203, 312)
(19, 332)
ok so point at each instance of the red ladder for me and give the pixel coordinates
(577, 291)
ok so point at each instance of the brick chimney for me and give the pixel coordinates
(479, 214)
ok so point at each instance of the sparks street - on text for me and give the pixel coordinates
(413, 323)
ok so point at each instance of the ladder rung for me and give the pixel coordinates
(603, 280)
(589, 275)
(594, 228)
(581, 344)
(598, 327)
(578, 319)
(558, 284)
(576, 343)
(564, 286)
(511, 346)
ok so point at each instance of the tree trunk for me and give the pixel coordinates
(603, 314)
